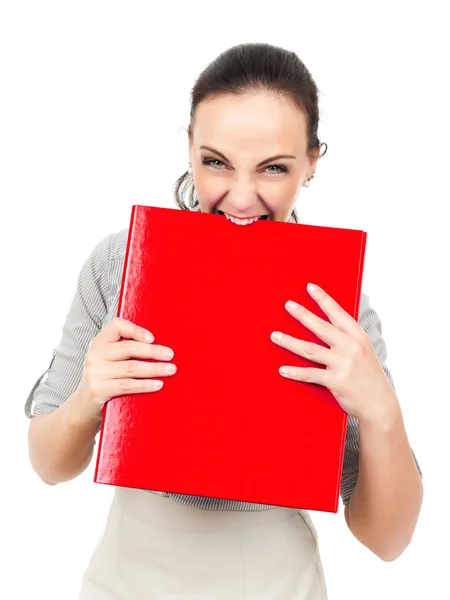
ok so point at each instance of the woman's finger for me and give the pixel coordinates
(127, 349)
(138, 369)
(118, 329)
(309, 350)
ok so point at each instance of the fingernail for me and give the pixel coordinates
(170, 368)
(291, 304)
(312, 287)
(149, 337)
(285, 370)
(276, 335)
(167, 353)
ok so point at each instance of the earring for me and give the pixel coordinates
(190, 169)
(306, 182)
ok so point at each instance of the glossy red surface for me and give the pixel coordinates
(227, 424)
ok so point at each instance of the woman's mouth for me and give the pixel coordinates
(239, 221)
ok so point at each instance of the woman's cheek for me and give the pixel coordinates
(281, 196)
(209, 190)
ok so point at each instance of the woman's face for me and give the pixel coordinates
(248, 155)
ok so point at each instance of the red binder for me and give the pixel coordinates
(227, 424)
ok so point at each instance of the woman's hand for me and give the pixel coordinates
(112, 366)
(353, 372)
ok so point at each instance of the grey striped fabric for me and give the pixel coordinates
(95, 303)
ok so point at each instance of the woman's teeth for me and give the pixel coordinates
(238, 221)
(241, 221)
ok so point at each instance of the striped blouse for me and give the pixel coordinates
(95, 303)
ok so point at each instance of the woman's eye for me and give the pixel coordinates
(278, 169)
(213, 162)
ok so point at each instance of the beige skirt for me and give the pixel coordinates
(156, 548)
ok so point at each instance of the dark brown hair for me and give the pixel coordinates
(248, 68)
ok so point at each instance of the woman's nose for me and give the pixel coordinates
(242, 197)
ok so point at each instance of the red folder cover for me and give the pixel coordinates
(227, 424)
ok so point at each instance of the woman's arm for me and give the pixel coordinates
(381, 481)
(61, 443)
(385, 504)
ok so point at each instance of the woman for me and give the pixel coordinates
(252, 146)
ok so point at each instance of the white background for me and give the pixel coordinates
(93, 99)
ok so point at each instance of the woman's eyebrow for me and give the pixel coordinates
(264, 162)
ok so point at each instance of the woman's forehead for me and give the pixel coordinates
(248, 120)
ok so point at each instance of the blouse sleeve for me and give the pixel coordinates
(83, 322)
(368, 321)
